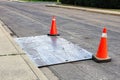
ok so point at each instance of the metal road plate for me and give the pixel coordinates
(49, 50)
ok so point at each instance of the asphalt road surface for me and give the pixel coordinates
(80, 27)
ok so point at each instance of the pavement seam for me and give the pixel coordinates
(12, 54)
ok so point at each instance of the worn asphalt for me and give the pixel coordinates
(80, 27)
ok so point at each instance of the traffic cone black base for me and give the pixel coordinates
(98, 60)
(53, 34)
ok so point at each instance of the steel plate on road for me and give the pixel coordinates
(49, 50)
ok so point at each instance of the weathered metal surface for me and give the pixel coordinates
(48, 50)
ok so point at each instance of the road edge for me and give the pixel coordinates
(85, 9)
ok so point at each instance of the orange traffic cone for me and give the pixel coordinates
(102, 53)
(53, 30)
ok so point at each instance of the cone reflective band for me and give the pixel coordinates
(53, 30)
(104, 33)
(102, 53)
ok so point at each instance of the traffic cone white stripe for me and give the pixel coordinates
(54, 19)
(104, 35)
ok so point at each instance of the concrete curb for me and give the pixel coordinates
(5, 27)
(19, 1)
(86, 9)
(7, 32)
(20, 52)
(34, 68)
